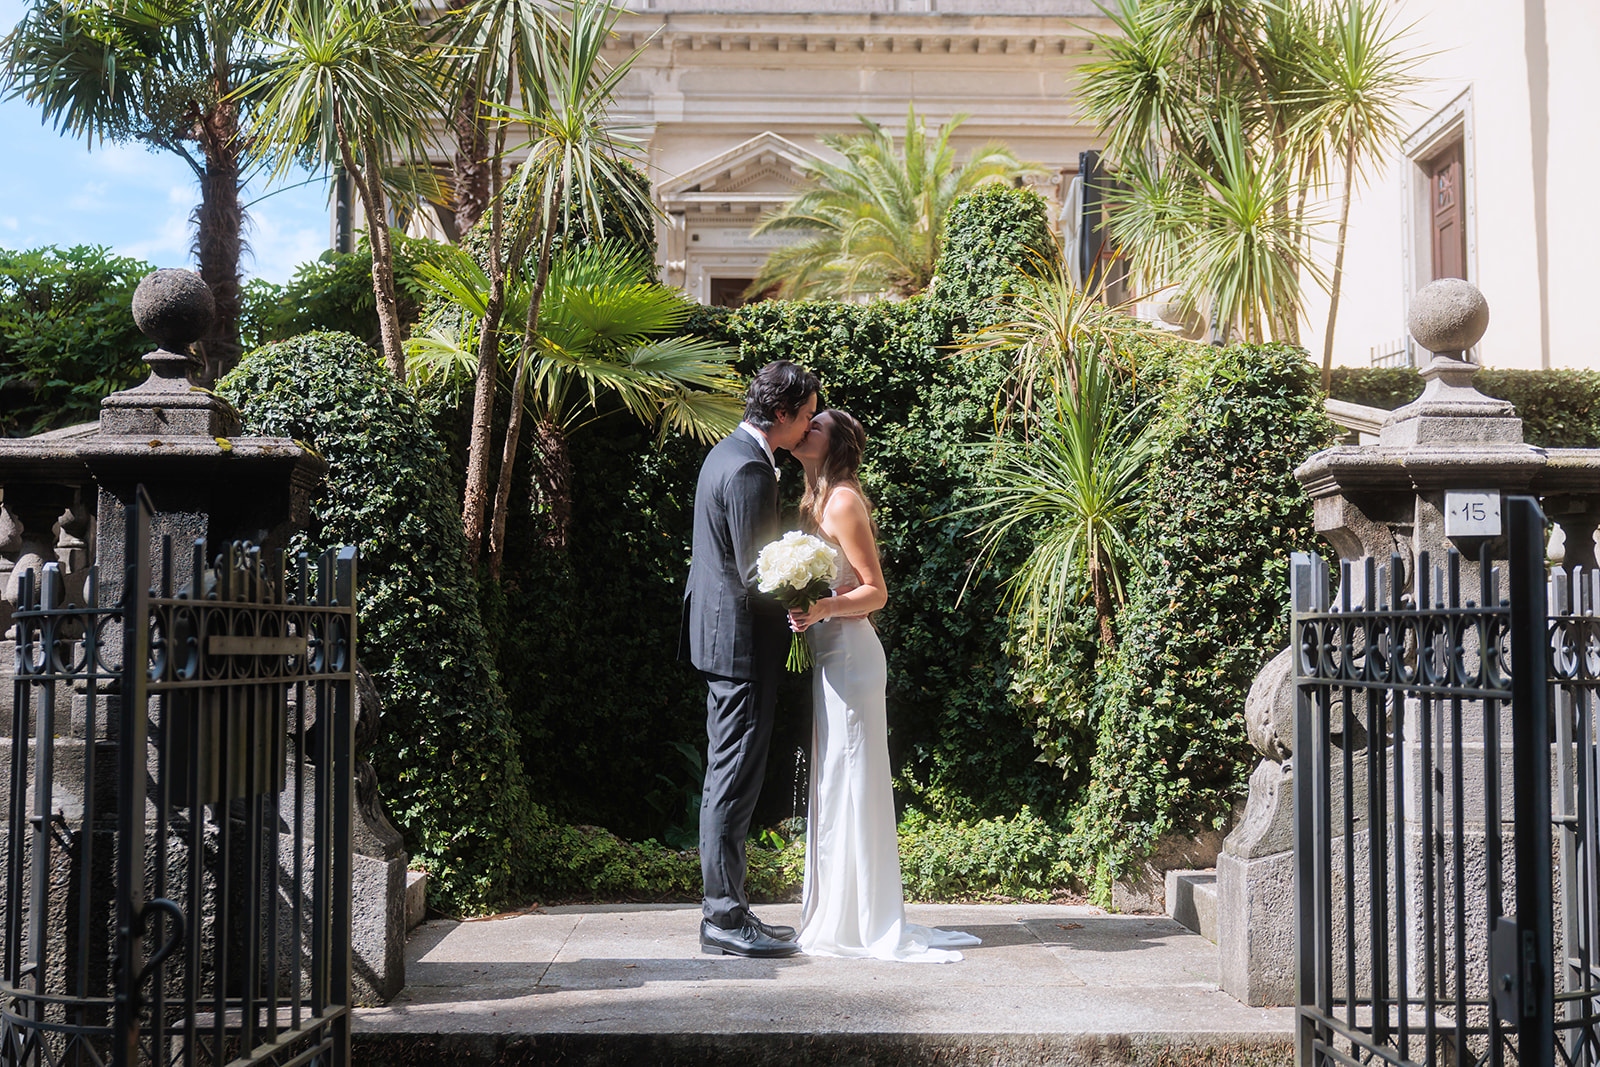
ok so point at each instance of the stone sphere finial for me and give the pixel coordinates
(1448, 317)
(173, 308)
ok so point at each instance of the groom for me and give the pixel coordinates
(736, 637)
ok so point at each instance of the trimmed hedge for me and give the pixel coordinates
(1559, 408)
(447, 754)
(1209, 607)
(990, 235)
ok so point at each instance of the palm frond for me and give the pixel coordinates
(875, 222)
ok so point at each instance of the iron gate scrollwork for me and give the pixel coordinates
(178, 837)
(1428, 879)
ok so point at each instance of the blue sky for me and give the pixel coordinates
(55, 190)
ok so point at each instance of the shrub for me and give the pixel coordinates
(333, 292)
(990, 235)
(67, 337)
(1558, 408)
(591, 863)
(1020, 857)
(447, 755)
(1209, 608)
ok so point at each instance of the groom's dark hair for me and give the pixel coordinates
(780, 386)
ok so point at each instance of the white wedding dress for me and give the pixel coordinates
(853, 902)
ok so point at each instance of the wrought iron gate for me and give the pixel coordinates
(1426, 900)
(178, 851)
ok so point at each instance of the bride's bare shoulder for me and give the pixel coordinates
(845, 501)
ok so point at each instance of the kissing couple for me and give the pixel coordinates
(737, 637)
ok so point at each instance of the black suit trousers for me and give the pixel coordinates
(739, 716)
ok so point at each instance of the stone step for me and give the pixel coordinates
(1052, 985)
(416, 899)
(1192, 901)
(792, 1049)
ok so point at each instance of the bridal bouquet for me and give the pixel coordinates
(798, 569)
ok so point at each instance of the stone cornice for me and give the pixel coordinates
(901, 34)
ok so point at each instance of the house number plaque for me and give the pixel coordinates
(1471, 513)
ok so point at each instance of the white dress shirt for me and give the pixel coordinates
(766, 446)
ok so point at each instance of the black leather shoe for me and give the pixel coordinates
(777, 933)
(748, 940)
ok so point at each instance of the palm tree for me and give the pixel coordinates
(163, 72)
(1359, 80)
(1219, 118)
(351, 85)
(876, 222)
(575, 171)
(607, 332)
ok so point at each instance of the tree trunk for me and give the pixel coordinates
(475, 501)
(1102, 604)
(552, 482)
(530, 333)
(369, 183)
(472, 163)
(219, 220)
(1338, 263)
(508, 461)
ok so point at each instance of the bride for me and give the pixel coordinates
(853, 901)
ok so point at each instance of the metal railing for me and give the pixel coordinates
(179, 853)
(1423, 884)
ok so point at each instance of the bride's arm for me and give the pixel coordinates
(846, 522)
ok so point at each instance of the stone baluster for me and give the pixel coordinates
(10, 554)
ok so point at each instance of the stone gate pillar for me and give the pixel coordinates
(61, 501)
(1450, 447)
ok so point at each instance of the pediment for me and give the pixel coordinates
(765, 164)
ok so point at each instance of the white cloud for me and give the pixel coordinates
(280, 242)
(168, 246)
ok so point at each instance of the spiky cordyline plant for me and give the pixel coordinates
(1210, 107)
(1052, 326)
(1074, 487)
(874, 224)
(351, 84)
(1359, 80)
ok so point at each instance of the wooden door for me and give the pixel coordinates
(1449, 214)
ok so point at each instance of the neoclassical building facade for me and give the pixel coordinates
(730, 97)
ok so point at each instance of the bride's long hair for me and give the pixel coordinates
(847, 441)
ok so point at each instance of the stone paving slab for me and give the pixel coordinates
(627, 984)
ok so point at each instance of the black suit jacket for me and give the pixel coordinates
(729, 627)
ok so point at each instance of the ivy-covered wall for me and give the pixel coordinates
(1084, 762)
(1209, 606)
(527, 716)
